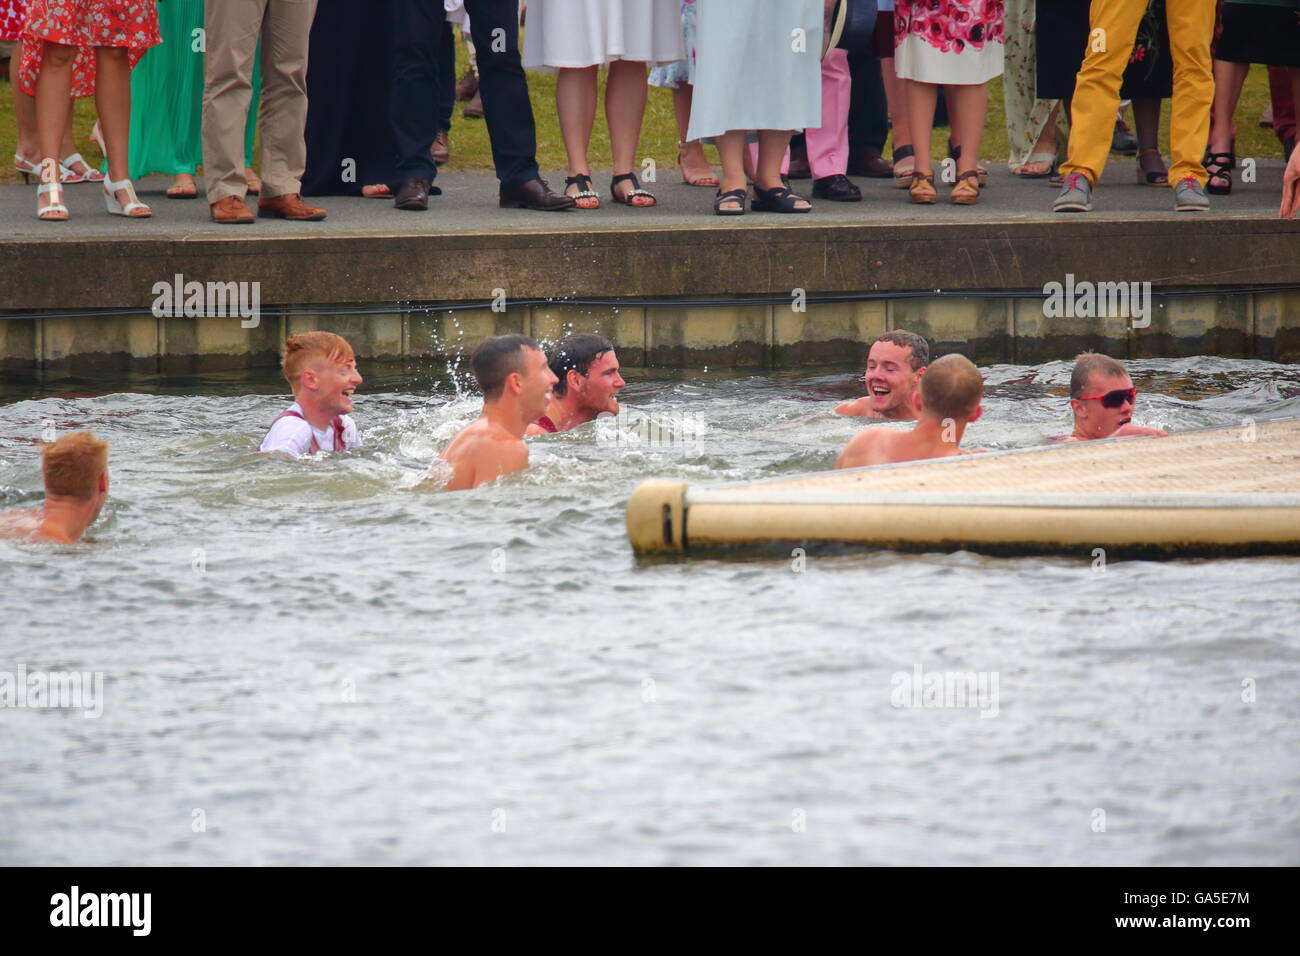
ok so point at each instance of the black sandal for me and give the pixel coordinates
(635, 192)
(1219, 166)
(779, 199)
(731, 195)
(584, 194)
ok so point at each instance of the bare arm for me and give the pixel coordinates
(1135, 430)
(857, 406)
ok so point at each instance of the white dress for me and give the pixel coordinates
(578, 33)
(757, 66)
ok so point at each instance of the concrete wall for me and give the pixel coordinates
(1264, 325)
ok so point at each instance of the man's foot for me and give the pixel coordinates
(441, 148)
(866, 161)
(1189, 196)
(1076, 195)
(838, 188)
(289, 206)
(467, 87)
(474, 108)
(252, 181)
(534, 194)
(231, 211)
(183, 187)
(413, 196)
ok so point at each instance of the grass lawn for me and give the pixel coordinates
(470, 149)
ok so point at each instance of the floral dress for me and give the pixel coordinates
(681, 73)
(948, 41)
(12, 15)
(85, 24)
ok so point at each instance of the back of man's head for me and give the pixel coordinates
(496, 359)
(301, 350)
(920, 356)
(951, 388)
(576, 352)
(1090, 365)
(73, 464)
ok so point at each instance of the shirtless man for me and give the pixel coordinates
(947, 401)
(75, 469)
(1102, 398)
(587, 383)
(516, 383)
(895, 364)
(322, 371)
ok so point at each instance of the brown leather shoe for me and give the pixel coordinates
(289, 206)
(474, 108)
(441, 148)
(231, 211)
(413, 195)
(535, 194)
(467, 86)
(865, 161)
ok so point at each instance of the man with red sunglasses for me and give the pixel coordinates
(1102, 398)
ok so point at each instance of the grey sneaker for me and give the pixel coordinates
(1076, 195)
(1189, 196)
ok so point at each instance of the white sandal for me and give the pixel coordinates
(71, 176)
(116, 208)
(54, 211)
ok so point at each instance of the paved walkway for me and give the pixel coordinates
(468, 205)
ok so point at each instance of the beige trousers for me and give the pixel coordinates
(232, 29)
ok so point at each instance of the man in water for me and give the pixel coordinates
(587, 384)
(75, 469)
(895, 364)
(1102, 398)
(516, 382)
(322, 371)
(947, 401)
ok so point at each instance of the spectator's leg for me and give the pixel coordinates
(232, 28)
(1191, 27)
(504, 89)
(286, 30)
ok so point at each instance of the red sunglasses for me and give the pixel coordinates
(1113, 399)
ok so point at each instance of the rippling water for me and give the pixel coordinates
(336, 668)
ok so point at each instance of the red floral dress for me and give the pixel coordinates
(85, 24)
(949, 41)
(12, 15)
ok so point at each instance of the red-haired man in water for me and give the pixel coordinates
(1102, 397)
(587, 384)
(75, 469)
(322, 371)
(947, 401)
(516, 382)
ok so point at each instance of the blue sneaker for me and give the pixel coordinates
(1189, 196)
(1076, 195)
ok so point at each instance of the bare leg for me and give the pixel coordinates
(921, 98)
(732, 153)
(896, 98)
(690, 155)
(1146, 120)
(1046, 143)
(28, 146)
(625, 96)
(1228, 80)
(53, 107)
(113, 102)
(575, 101)
(966, 109)
(772, 144)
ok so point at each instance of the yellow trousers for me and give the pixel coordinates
(1113, 29)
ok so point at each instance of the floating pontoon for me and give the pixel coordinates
(1233, 490)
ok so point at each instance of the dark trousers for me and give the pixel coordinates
(868, 109)
(420, 65)
(446, 77)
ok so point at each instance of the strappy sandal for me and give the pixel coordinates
(1035, 159)
(780, 199)
(954, 153)
(635, 193)
(922, 189)
(1219, 166)
(903, 177)
(1148, 178)
(54, 210)
(737, 196)
(87, 173)
(585, 197)
(966, 191)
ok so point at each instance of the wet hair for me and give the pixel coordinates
(300, 350)
(72, 465)
(951, 388)
(908, 340)
(496, 359)
(576, 352)
(1089, 364)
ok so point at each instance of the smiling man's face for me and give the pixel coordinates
(891, 380)
(335, 384)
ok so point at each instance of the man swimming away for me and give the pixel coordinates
(947, 401)
(75, 469)
(516, 382)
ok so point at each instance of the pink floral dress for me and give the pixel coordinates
(85, 24)
(948, 41)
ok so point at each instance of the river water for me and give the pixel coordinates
(314, 663)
